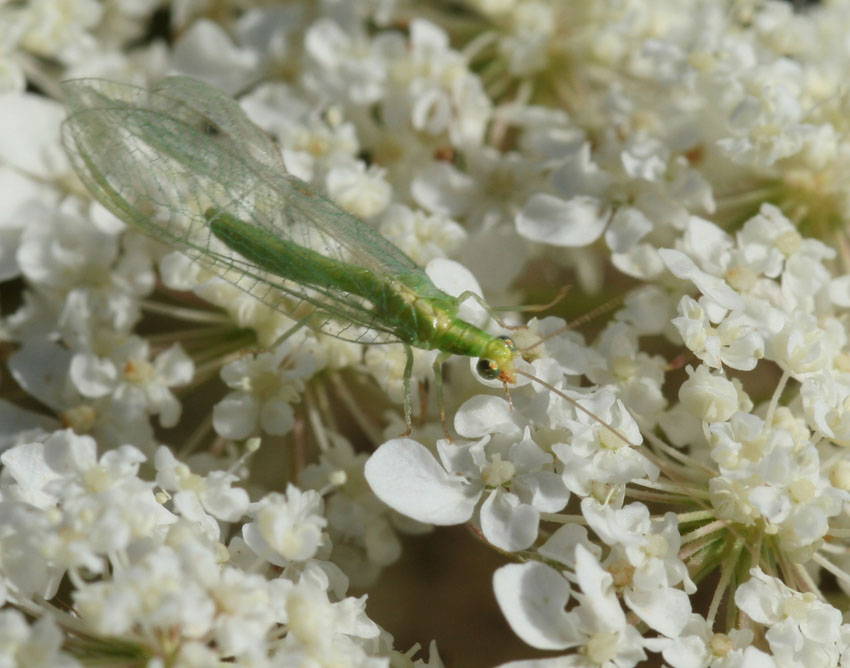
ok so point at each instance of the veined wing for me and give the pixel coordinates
(159, 159)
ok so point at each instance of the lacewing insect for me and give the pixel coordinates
(183, 163)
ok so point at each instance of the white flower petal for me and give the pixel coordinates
(93, 376)
(628, 226)
(485, 414)
(507, 523)
(532, 597)
(26, 465)
(683, 267)
(277, 417)
(17, 424)
(574, 223)
(206, 52)
(561, 545)
(174, 366)
(666, 610)
(839, 291)
(29, 134)
(441, 188)
(406, 476)
(545, 489)
(236, 416)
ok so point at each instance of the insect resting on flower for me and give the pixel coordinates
(183, 163)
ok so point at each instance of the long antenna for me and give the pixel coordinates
(587, 317)
(575, 403)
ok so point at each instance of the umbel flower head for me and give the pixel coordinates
(208, 456)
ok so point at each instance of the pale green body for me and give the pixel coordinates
(409, 305)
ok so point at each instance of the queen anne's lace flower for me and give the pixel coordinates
(683, 166)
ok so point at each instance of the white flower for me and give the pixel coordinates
(772, 475)
(644, 562)
(43, 367)
(127, 375)
(532, 597)
(30, 157)
(802, 346)
(711, 286)
(598, 456)
(286, 528)
(728, 341)
(25, 531)
(801, 630)
(360, 191)
(65, 255)
(506, 462)
(387, 365)
(205, 51)
(709, 397)
(698, 645)
(155, 591)
(194, 496)
(265, 385)
(532, 25)
(35, 645)
(52, 29)
(637, 375)
(434, 81)
(343, 63)
(825, 400)
(424, 491)
(766, 124)
(324, 629)
(423, 237)
(360, 526)
(577, 222)
(104, 506)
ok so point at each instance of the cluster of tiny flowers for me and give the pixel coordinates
(673, 487)
(153, 583)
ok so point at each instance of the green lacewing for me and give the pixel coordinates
(183, 163)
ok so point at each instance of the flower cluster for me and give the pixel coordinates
(148, 565)
(671, 486)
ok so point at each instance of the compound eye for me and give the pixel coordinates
(487, 369)
(508, 340)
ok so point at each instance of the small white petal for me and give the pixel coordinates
(507, 523)
(277, 417)
(206, 52)
(683, 267)
(174, 366)
(546, 490)
(236, 416)
(29, 134)
(532, 597)
(93, 376)
(26, 465)
(628, 226)
(839, 291)
(574, 223)
(485, 414)
(441, 188)
(666, 610)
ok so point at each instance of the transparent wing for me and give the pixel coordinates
(159, 159)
